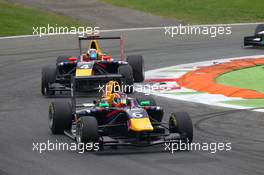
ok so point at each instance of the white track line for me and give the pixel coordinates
(135, 29)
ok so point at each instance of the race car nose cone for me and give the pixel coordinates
(83, 72)
(140, 124)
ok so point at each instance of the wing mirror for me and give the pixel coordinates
(103, 104)
(145, 103)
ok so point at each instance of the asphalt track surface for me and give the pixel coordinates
(92, 12)
(24, 112)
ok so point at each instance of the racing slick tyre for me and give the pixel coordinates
(180, 122)
(48, 76)
(87, 130)
(137, 64)
(62, 59)
(259, 28)
(127, 72)
(60, 117)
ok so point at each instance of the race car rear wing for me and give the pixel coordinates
(96, 37)
(103, 79)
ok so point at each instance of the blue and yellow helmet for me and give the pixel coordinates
(92, 54)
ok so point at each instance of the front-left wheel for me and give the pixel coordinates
(48, 76)
(60, 117)
(87, 130)
(180, 122)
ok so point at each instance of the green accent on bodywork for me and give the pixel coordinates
(103, 104)
(262, 40)
(144, 103)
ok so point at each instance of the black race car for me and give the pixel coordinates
(257, 39)
(139, 123)
(104, 68)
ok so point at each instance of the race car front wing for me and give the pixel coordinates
(93, 80)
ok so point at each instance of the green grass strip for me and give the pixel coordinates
(248, 78)
(199, 11)
(247, 102)
(18, 19)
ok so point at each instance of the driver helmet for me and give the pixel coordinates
(120, 100)
(92, 53)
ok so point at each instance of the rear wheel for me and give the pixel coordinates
(87, 130)
(127, 82)
(259, 28)
(180, 122)
(60, 117)
(48, 76)
(137, 64)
